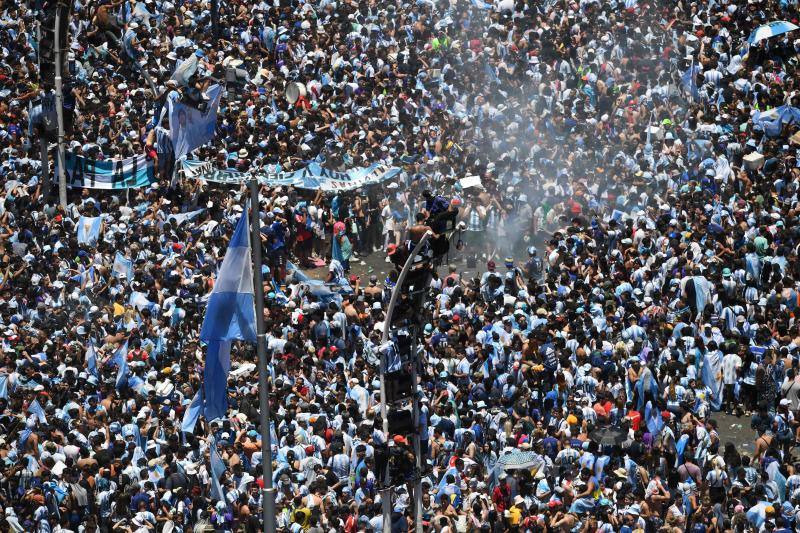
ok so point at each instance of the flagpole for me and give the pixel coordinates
(267, 492)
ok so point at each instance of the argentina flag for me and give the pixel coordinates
(689, 81)
(91, 360)
(122, 267)
(120, 360)
(89, 229)
(230, 315)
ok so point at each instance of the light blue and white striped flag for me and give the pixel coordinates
(121, 361)
(230, 314)
(179, 218)
(192, 414)
(91, 360)
(35, 409)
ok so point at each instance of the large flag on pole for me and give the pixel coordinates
(689, 81)
(230, 315)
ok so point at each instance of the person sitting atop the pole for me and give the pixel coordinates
(434, 203)
(415, 234)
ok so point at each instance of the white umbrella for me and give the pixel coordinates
(519, 460)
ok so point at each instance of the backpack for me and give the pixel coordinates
(784, 431)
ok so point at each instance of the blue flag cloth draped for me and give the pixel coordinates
(36, 410)
(193, 412)
(185, 70)
(757, 514)
(643, 389)
(91, 360)
(752, 263)
(215, 379)
(89, 230)
(190, 127)
(630, 468)
(697, 292)
(600, 465)
(772, 121)
(712, 378)
(775, 475)
(652, 417)
(680, 447)
(452, 471)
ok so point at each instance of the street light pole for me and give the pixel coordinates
(45, 176)
(416, 436)
(215, 19)
(386, 493)
(268, 491)
(62, 180)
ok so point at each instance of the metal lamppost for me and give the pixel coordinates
(386, 493)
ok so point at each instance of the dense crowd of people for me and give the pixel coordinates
(623, 273)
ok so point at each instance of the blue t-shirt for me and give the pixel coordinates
(277, 236)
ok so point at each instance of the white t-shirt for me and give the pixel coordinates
(730, 364)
